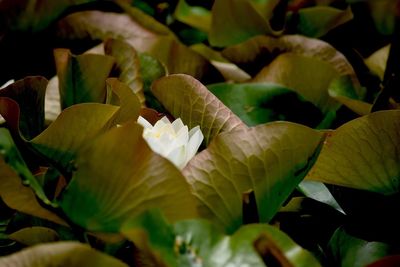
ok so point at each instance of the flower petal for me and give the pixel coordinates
(142, 121)
(178, 157)
(196, 137)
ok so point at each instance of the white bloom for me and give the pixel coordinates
(172, 140)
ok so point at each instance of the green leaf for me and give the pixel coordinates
(154, 238)
(29, 93)
(228, 29)
(195, 16)
(284, 70)
(319, 192)
(384, 15)
(141, 180)
(34, 235)
(377, 61)
(11, 156)
(61, 141)
(75, 126)
(363, 153)
(20, 197)
(318, 20)
(270, 159)
(186, 98)
(199, 243)
(82, 78)
(343, 91)
(271, 245)
(256, 103)
(252, 245)
(60, 254)
(151, 70)
(195, 241)
(350, 251)
(127, 65)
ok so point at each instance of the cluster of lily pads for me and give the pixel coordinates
(299, 164)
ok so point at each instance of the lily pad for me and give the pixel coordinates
(74, 127)
(270, 159)
(362, 154)
(137, 179)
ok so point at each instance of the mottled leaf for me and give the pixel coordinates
(186, 98)
(362, 154)
(60, 254)
(141, 180)
(270, 159)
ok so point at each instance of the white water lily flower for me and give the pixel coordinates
(172, 140)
